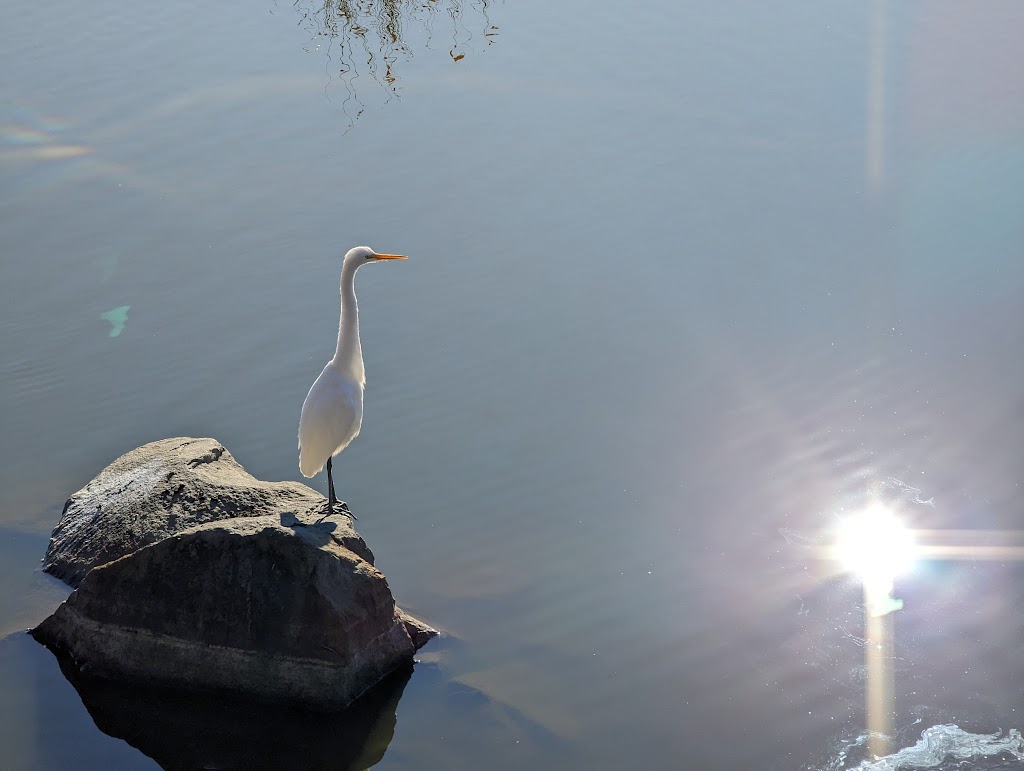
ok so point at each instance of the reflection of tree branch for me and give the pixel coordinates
(378, 28)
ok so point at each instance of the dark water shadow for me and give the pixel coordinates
(182, 730)
(42, 722)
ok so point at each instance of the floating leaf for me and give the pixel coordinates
(117, 318)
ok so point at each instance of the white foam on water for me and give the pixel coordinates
(942, 743)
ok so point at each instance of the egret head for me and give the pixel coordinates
(361, 255)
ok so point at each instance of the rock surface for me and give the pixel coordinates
(193, 574)
(163, 488)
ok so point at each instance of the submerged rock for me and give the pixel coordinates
(192, 574)
(228, 732)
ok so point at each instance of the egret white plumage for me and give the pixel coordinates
(333, 410)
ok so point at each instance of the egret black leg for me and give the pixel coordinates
(332, 497)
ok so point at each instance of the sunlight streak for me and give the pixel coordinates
(876, 96)
(875, 545)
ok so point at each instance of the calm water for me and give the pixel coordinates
(686, 280)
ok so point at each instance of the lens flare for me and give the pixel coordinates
(875, 545)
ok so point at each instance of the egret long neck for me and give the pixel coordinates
(349, 355)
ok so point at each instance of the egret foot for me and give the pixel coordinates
(342, 508)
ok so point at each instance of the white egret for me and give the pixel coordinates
(333, 410)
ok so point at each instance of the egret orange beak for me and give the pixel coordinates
(390, 257)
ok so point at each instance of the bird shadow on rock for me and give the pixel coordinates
(186, 730)
(314, 525)
(315, 531)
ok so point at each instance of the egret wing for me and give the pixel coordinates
(330, 419)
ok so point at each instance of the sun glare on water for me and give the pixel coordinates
(875, 545)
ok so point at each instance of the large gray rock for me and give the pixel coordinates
(217, 587)
(166, 487)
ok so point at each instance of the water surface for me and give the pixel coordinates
(683, 280)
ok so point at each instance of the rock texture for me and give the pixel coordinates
(166, 487)
(193, 574)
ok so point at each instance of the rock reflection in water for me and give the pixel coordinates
(182, 730)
